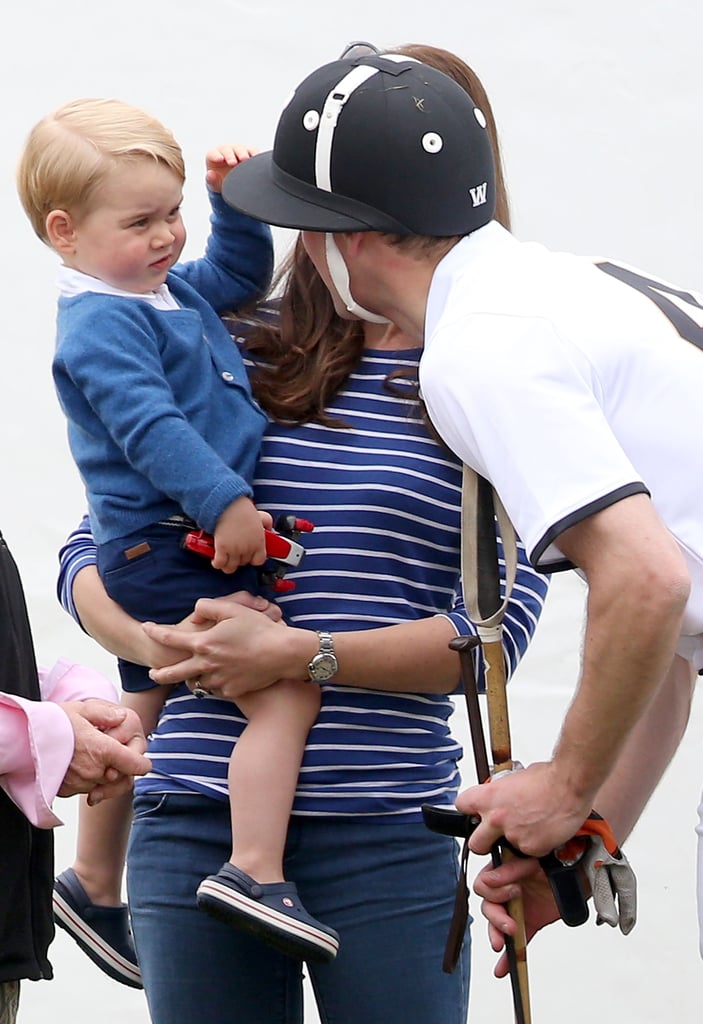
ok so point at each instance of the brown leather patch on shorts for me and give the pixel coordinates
(137, 550)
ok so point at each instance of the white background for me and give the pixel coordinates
(599, 110)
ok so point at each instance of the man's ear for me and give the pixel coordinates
(351, 242)
(61, 232)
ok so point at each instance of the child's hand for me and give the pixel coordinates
(239, 537)
(220, 161)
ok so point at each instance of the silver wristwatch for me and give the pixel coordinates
(324, 665)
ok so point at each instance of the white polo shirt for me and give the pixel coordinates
(569, 390)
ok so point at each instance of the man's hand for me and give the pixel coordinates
(108, 750)
(496, 886)
(533, 808)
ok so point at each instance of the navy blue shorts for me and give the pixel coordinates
(152, 577)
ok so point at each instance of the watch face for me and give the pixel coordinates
(323, 666)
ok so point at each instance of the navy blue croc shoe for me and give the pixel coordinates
(103, 933)
(272, 912)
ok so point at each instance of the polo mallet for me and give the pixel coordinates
(483, 600)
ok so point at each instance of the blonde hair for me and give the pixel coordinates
(69, 153)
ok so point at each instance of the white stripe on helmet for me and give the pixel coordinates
(329, 116)
(331, 110)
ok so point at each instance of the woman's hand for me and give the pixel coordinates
(233, 645)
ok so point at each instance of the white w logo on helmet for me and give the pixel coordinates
(478, 194)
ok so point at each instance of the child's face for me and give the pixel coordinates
(133, 233)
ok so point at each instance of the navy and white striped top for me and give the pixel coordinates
(385, 501)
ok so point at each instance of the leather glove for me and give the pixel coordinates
(612, 881)
(613, 884)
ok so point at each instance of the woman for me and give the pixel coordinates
(348, 449)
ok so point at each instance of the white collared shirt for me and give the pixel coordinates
(72, 282)
(569, 390)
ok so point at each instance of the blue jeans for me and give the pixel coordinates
(388, 889)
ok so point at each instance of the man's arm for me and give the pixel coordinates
(645, 756)
(638, 588)
(47, 749)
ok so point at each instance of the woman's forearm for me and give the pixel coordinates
(244, 650)
(106, 622)
(410, 656)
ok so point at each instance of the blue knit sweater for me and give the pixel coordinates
(160, 413)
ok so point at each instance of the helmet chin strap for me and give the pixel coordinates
(340, 279)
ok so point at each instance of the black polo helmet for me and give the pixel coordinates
(380, 143)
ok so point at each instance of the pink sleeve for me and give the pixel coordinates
(36, 738)
(66, 680)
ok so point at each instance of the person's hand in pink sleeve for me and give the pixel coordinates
(36, 746)
(108, 752)
(76, 740)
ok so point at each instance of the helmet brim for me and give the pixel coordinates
(259, 189)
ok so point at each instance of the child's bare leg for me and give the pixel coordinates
(263, 774)
(250, 891)
(87, 898)
(103, 830)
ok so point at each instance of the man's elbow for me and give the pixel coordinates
(670, 587)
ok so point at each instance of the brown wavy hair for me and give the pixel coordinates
(304, 357)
